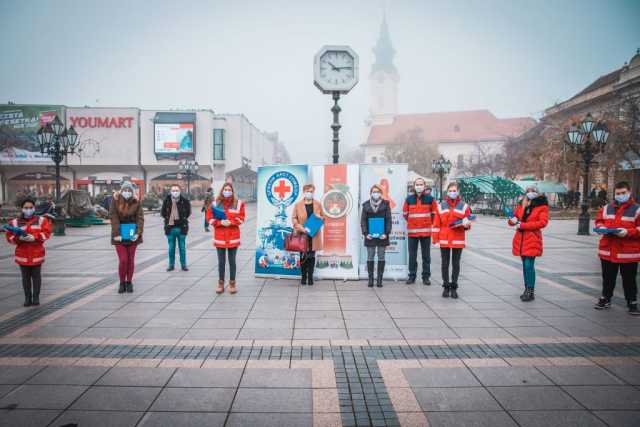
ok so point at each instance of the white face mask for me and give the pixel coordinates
(622, 198)
(532, 196)
(452, 195)
(419, 188)
(175, 194)
(308, 196)
(376, 196)
(127, 195)
(226, 194)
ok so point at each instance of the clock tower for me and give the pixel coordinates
(384, 78)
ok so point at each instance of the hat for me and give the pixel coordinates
(127, 185)
(533, 187)
(604, 187)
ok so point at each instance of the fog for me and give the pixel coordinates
(514, 58)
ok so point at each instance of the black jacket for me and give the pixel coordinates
(384, 211)
(184, 211)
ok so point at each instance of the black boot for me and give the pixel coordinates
(36, 298)
(370, 272)
(303, 272)
(310, 268)
(129, 287)
(380, 273)
(524, 293)
(122, 288)
(445, 293)
(27, 299)
(454, 292)
(528, 294)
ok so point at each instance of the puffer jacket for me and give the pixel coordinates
(615, 216)
(450, 211)
(134, 215)
(528, 238)
(227, 237)
(30, 253)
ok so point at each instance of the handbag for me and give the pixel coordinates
(296, 243)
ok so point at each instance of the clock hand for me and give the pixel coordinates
(342, 68)
(334, 67)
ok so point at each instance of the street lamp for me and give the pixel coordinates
(56, 141)
(441, 167)
(189, 168)
(579, 140)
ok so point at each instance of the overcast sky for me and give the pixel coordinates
(512, 57)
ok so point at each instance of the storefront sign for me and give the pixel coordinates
(392, 178)
(337, 190)
(107, 181)
(101, 122)
(279, 188)
(18, 127)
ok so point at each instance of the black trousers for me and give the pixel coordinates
(448, 255)
(222, 260)
(628, 271)
(31, 273)
(425, 245)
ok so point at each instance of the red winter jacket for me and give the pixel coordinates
(30, 253)
(615, 248)
(450, 211)
(528, 239)
(227, 237)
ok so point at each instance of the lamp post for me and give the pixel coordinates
(56, 141)
(441, 167)
(189, 168)
(580, 142)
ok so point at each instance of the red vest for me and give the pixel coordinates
(227, 237)
(30, 253)
(615, 248)
(419, 215)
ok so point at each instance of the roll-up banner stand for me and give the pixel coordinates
(279, 188)
(337, 190)
(392, 178)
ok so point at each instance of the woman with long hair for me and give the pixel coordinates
(301, 212)
(126, 209)
(226, 237)
(376, 207)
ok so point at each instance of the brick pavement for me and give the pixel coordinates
(336, 353)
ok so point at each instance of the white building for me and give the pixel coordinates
(135, 145)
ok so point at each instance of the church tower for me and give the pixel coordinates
(384, 78)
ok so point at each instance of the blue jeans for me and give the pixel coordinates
(171, 237)
(529, 270)
(206, 224)
(425, 247)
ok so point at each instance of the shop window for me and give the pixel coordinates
(218, 144)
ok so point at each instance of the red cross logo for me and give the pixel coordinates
(282, 189)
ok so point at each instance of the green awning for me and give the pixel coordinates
(544, 186)
(506, 190)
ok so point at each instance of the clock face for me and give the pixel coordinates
(336, 67)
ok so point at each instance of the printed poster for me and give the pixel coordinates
(392, 178)
(279, 188)
(337, 190)
(18, 128)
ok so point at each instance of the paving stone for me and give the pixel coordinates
(265, 334)
(211, 378)
(619, 418)
(455, 399)
(194, 400)
(268, 420)
(27, 417)
(117, 399)
(17, 374)
(99, 418)
(42, 396)
(579, 375)
(510, 376)
(276, 378)
(273, 400)
(533, 398)
(375, 334)
(69, 375)
(172, 419)
(136, 377)
(629, 374)
(476, 419)
(606, 398)
(319, 334)
(556, 418)
(440, 377)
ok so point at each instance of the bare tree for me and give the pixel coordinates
(410, 147)
(485, 159)
(353, 155)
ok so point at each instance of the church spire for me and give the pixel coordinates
(384, 51)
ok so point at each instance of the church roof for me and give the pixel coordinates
(474, 125)
(607, 79)
(384, 51)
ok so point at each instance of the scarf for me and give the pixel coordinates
(174, 210)
(375, 204)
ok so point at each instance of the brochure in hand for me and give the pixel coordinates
(376, 227)
(218, 213)
(511, 215)
(471, 219)
(15, 231)
(312, 225)
(606, 230)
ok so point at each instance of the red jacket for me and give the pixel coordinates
(418, 212)
(450, 211)
(615, 248)
(30, 253)
(227, 237)
(528, 239)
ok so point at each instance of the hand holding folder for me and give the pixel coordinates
(218, 213)
(376, 227)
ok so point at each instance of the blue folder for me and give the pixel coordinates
(127, 231)
(312, 225)
(218, 213)
(15, 231)
(606, 230)
(376, 227)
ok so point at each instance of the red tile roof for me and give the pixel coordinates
(475, 125)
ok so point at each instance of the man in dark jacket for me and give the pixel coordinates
(570, 196)
(176, 211)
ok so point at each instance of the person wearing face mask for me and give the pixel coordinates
(451, 240)
(29, 254)
(226, 236)
(419, 210)
(301, 212)
(208, 200)
(126, 209)
(621, 250)
(376, 207)
(176, 210)
(530, 217)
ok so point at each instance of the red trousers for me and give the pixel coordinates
(126, 265)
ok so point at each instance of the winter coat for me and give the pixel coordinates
(29, 253)
(451, 211)
(227, 237)
(528, 238)
(134, 215)
(419, 213)
(615, 216)
(184, 211)
(299, 217)
(208, 199)
(384, 211)
(107, 202)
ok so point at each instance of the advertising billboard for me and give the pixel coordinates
(174, 138)
(18, 127)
